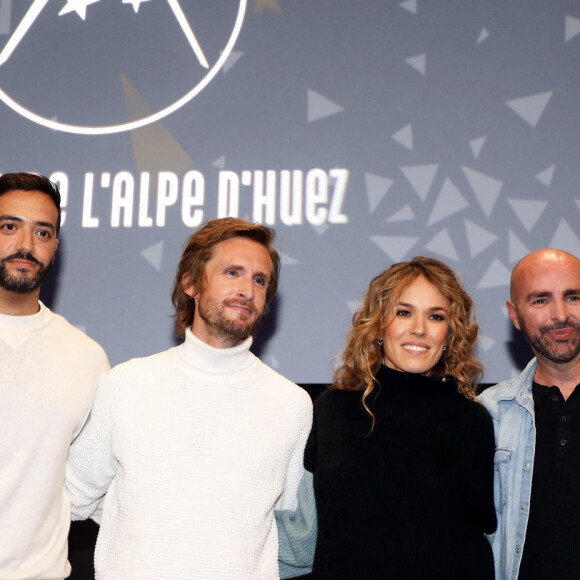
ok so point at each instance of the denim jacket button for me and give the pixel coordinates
(522, 507)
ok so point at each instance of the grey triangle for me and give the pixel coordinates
(546, 176)
(354, 305)
(420, 177)
(496, 275)
(442, 244)
(418, 62)
(478, 238)
(231, 61)
(485, 188)
(504, 312)
(476, 145)
(321, 229)
(572, 28)
(409, 5)
(483, 35)
(5, 9)
(154, 254)
(220, 162)
(377, 187)
(530, 108)
(320, 106)
(396, 247)
(449, 202)
(485, 342)
(528, 211)
(565, 239)
(287, 260)
(405, 214)
(516, 248)
(404, 137)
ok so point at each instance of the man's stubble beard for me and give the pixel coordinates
(23, 284)
(213, 313)
(555, 351)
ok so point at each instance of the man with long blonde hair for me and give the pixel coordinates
(195, 446)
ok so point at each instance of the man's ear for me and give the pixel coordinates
(511, 308)
(188, 286)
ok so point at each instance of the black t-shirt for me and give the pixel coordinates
(552, 544)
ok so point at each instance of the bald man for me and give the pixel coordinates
(537, 426)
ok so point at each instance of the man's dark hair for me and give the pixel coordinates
(31, 182)
(198, 250)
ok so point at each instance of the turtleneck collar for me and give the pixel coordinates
(398, 381)
(29, 322)
(217, 361)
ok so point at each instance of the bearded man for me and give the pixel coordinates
(537, 426)
(195, 446)
(50, 371)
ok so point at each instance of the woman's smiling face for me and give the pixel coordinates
(415, 337)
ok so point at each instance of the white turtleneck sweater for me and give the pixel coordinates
(196, 446)
(49, 373)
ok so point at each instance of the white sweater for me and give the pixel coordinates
(49, 373)
(196, 446)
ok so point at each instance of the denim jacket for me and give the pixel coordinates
(511, 406)
(297, 531)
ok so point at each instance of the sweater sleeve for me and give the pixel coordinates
(295, 469)
(91, 466)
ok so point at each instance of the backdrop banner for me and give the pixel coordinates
(364, 132)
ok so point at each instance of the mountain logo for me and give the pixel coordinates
(68, 63)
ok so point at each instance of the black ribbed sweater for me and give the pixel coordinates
(410, 500)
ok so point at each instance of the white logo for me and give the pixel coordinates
(205, 65)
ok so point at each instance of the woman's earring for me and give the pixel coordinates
(380, 341)
(444, 348)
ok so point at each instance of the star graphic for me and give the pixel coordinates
(136, 4)
(78, 6)
(262, 5)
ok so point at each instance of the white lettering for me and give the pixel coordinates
(265, 198)
(247, 178)
(316, 194)
(167, 192)
(88, 220)
(123, 196)
(291, 197)
(228, 194)
(193, 195)
(61, 179)
(145, 220)
(341, 179)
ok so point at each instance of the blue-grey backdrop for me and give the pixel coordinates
(363, 132)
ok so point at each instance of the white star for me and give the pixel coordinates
(78, 6)
(136, 4)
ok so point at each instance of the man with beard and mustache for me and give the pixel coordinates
(49, 373)
(537, 426)
(195, 446)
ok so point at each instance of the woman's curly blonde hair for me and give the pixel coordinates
(363, 355)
